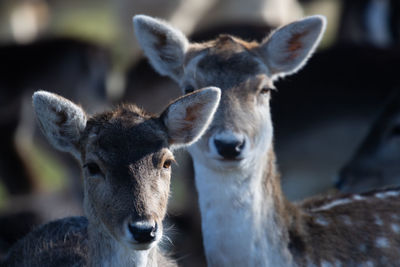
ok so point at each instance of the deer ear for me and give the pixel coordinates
(164, 46)
(187, 118)
(287, 49)
(61, 121)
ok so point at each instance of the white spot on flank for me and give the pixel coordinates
(382, 242)
(347, 220)
(333, 204)
(378, 220)
(383, 195)
(395, 217)
(321, 221)
(395, 228)
(358, 197)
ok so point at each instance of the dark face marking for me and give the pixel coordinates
(62, 115)
(227, 63)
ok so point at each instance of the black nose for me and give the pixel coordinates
(142, 231)
(229, 149)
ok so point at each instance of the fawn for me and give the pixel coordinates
(126, 157)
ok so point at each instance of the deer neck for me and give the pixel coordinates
(104, 250)
(244, 214)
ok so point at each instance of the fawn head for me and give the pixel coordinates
(245, 72)
(126, 156)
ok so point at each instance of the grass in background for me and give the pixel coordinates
(50, 173)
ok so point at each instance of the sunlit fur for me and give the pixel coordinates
(246, 220)
(125, 155)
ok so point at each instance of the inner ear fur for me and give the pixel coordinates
(61, 121)
(187, 118)
(287, 49)
(164, 46)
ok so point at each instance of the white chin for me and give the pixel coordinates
(142, 246)
(224, 164)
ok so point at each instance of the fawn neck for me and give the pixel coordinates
(247, 207)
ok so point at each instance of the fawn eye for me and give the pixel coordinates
(189, 89)
(93, 168)
(266, 90)
(167, 164)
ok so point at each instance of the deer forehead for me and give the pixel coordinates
(230, 64)
(124, 137)
(225, 62)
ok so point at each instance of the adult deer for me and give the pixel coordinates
(126, 155)
(376, 161)
(246, 220)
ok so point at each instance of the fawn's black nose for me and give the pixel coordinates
(143, 231)
(229, 149)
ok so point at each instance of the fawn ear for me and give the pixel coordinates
(164, 46)
(287, 49)
(61, 121)
(188, 117)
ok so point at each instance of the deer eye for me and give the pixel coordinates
(266, 90)
(93, 168)
(167, 163)
(189, 89)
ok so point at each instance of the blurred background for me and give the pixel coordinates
(337, 121)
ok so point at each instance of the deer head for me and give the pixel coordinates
(245, 71)
(126, 157)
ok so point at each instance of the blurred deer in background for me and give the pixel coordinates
(246, 220)
(126, 157)
(76, 68)
(376, 163)
(374, 22)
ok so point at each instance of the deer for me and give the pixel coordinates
(374, 22)
(246, 219)
(78, 70)
(80, 65)
(375, 163)
(126, 156)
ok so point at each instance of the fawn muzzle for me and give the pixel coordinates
(143, 231)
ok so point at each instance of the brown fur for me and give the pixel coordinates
(351, 234)
(129, 146)
(128, 137)
(294, 42)
(358, 230)
(352, 230)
